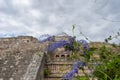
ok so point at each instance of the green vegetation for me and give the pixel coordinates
(107, 66)
(47, 72)
(39, 53)
(82, 78)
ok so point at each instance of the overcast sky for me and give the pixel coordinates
(97, 19)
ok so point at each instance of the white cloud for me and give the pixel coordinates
(36, 17)
(52, 19)
(20, 3)
(2, 3)
(35, 13)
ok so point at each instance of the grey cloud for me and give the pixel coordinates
(36, 17)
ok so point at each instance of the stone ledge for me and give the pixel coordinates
(33, 67)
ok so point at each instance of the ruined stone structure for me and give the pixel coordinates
(58, 62)
(59, 65)
(18, 39)
(19, 59)
(23, 58)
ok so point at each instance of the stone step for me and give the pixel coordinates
(56, 75)
(52, 78)
(60, 63)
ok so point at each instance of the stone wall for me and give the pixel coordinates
(35, 70)
(40, 70)
(17, 54)
(18, 39)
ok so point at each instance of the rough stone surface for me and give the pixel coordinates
(33, 68)
(16, 55)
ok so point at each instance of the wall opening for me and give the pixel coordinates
(62, 56)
